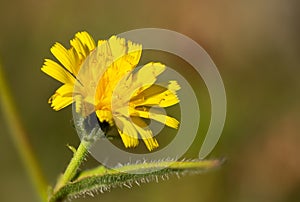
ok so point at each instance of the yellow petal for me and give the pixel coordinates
(146, 134)
(62, 97)
(86, 39)
(58, 102)
(65, 90)
(127, 50)
(57, 72)
(166, 99)
(132, 86)
(147, 75)
(127, 132)
(105, 115)
(83, 44)
(63, 56)
(147, 91)
(101, 42)
(75, 61)
(117, 46)
(167, 120)
(125, 55)
(117, 57)
(157, 95)
(173, 86)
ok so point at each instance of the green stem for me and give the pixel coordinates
(20, 140)
(74, 164)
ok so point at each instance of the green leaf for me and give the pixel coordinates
(101, 179)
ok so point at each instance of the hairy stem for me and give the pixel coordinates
(72, 168)
(20, 140)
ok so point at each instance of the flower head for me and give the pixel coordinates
(99, 78)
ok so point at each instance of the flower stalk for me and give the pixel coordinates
(73, 166)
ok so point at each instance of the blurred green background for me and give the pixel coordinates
(255, 45)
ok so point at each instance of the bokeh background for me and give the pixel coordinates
(255, 45)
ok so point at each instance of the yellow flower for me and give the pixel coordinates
(100, 79)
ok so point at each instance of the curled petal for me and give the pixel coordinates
(58, 102)
(62, 97)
